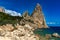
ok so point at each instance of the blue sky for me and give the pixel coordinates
(50, 8)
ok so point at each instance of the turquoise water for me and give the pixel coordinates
(51, 30)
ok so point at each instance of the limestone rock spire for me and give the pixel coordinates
(38, 16)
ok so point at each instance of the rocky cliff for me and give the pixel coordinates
(23, 26)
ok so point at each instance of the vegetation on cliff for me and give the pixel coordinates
(8, 19)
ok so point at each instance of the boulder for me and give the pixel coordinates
(56, 35)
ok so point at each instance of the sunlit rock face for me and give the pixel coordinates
(21, 33)
(7, 27)
(39, 17)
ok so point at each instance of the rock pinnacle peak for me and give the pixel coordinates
(38, 4)
(25, 14)
(38, 7)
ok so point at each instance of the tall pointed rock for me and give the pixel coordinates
(39, 17)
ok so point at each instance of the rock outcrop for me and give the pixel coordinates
(39, 17)
(8, 27)
(36, 20)
(56, 35)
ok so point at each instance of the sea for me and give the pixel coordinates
(50, 30)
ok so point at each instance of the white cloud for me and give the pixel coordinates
(13, 13)
(51, 23)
